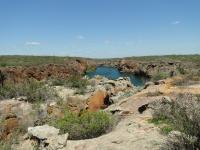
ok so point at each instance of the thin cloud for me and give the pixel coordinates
(80, 37)
(175, 22)
(32, 43)
(107, 42)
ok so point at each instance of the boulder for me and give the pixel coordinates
(45, 137)
(42, 132)
(100, 99)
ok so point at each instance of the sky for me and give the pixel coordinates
(99, 28)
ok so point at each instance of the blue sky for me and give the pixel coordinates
(99, 28)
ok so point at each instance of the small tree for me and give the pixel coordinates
(2, 78)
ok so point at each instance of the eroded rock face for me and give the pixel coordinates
(98, 100)
(70, 67)
(107, 92)
(112, 86)
(150, 68)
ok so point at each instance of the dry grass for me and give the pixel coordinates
(183, 114)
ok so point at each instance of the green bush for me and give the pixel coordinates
(87, 125)
(31, 89)
(183, 114)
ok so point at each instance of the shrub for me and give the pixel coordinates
(188, 79)
(90, 69)
(31, 89)
(183, 114)
(167, 129)
(159, 76)
(76, 82)
(57, 82)
(179, 141)
(181, 70)
(163, 123)
(87, 125)
(180, 81)
(73, 82)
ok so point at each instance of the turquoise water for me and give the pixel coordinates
(113, 73)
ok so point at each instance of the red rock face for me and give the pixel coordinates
(72, 67)
(97, 101)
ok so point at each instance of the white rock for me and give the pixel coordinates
(43, 132)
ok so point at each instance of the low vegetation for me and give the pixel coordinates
(32, 90)
(7, 145)
(159, 76)
(183, 58)
(163, 123)
(187, 79)
(30, 60)
(84, 126)
(36, 60)
(90, 69)
(183, 115)
(77, 82)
